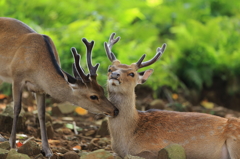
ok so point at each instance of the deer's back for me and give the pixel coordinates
(157, 129)
(23, 50)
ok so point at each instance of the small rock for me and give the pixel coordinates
(103, 141)
(66, 108)
(57, 124)
(117, 157)
(62, 150)
(172, 151)
(39, 156)
(56, 111)
(98, 154)
(6, 120)
(14, 155)
(50, 131)
(2, 139)
(65, 131)
(71, 155)
(132, 157)
(3, 153)
(103, 130)
(157, 104)
(30, 148)
(5, 145)
(90, 133)
(55, 156)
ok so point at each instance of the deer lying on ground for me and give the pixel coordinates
(29, 59)
(143, 134)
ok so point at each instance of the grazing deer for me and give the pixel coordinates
(29, 59)
(143, 134)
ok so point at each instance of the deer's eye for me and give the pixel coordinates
(131, 74)
(93, 97)
(109, 70)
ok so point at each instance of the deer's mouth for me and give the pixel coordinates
(114, 81)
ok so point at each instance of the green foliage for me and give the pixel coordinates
(202, 36)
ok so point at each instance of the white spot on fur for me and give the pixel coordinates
(202, 137)
(113, 82)
(212, 132)
(193, 138)
(165, 141)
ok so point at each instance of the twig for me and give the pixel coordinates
(75, 128)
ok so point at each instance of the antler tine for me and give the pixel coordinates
(108, 46)
(78, 68)
(92, 69)
(160, 51)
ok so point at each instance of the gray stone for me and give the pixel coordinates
(132, 157)
(14, 155)
(2, 139)
(57, 124)
(6, 120)
(71, 155)
(98, 154)
(157, 104)
(39, 156)
(30, 148)
(3, 153)
(172, 151)
(66, 108)
(5, 145)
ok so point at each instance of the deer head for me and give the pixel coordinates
(122, 77)
(85, 87)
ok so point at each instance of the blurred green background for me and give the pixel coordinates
(202, 36)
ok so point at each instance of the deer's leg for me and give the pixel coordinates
(41, 116)
(17, 99)
(233, 146)
(233, 141)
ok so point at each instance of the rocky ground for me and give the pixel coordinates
(74, 133)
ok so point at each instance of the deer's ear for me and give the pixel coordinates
(143, 76)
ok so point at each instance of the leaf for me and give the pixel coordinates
(207, 105)
(19, 144)
(175, 96)
(3, 96)
(70, 126)
(77, 147)
(81, 111)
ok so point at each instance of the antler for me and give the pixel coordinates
(160, 51)
(77, 69)
(92, 69)
(108, 47)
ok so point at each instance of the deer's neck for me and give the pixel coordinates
(127, 119)
(59, 89)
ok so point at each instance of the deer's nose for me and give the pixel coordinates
(116, 112)
(115, 75)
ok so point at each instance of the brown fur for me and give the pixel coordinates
(29, 59)
(143, 134)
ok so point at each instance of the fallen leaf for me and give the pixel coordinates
(174, 96)
(207, 105)
(3, 96)
(21, 136)
(81, 111)
(70, 126)
(19, 144)
(77, 147)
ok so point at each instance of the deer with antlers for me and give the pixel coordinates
(144, 133)
(30, 60)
